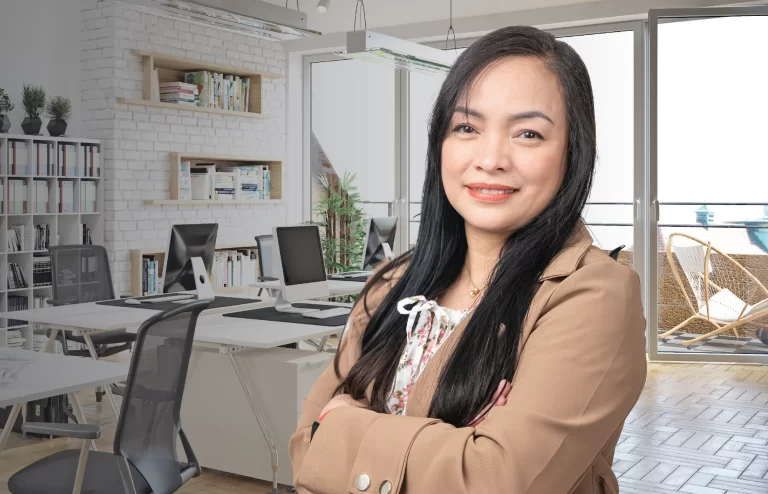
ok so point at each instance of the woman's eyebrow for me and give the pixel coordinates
(527, 115)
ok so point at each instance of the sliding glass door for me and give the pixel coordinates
(708, 243)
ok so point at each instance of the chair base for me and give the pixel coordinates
(55, 474)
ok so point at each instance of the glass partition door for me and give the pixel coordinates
(708, 254)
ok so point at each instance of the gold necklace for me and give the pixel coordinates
(474, 291)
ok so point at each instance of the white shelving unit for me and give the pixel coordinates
(64, 227)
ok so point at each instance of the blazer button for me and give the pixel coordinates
(363, 482)
(386, 487)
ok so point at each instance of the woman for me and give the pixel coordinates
(504, 352)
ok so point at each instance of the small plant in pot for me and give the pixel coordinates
(5, 107)
(33, 101)
(59, 110)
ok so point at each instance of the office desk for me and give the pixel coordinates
(37, 375)
(91, 317)
(218, 411)
(337, 288)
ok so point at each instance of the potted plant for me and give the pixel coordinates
(59, 110)
(342, 224)
(33, 101)
(5, 107)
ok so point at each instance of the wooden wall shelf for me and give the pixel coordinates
(222, 160)
(174, 106)
(172, 69)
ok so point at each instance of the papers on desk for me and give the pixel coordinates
(9, 369)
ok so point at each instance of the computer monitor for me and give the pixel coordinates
(299, 262)
(379, 241)
(186, 242)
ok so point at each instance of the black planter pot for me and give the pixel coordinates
(31, 126)
(57, 128)
(5, 124)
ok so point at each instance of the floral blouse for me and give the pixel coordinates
(429, 325)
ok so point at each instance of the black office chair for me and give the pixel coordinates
(80, 274)
(144, 458)
(265, 246)
(615, 252)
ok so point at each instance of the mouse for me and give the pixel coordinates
(132, 301)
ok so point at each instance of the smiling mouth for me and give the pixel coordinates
(490, 192)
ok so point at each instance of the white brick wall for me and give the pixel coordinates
(137, 140)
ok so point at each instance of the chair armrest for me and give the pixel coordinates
(267, 278)
(75, 431)
(55, 302)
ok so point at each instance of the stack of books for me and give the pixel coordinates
(234, 268)
(17, 238)
(41, 271)
(179, 92)
(225, 185)
(15, 338)
(151, 280)
(15, 279)
(42, 237)
(225, 92)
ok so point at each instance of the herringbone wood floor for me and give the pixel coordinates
(698, 428)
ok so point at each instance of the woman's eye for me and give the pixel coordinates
(463, 129)
(530, 134)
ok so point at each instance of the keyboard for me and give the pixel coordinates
(351, 274)
(169, 298)
(327, 314)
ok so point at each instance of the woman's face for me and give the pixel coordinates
(504, 156)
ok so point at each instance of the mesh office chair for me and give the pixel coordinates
(81, 274)
(265, 246)
(144, 459)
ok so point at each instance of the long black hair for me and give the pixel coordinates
(487, 350)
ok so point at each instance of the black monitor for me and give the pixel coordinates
(379, 241)
(186, 242)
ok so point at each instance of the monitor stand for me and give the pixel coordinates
(281, 305)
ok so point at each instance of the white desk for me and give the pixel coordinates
(92, 317)
(337, 288)
(37, 375)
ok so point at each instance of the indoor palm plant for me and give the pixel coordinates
(342, 222)
(33, 101)
(59, 110)
(5, 107)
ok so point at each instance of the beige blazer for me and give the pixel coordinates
(581, 369)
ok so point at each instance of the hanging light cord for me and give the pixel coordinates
(451, 31)
(297, 4)
(363, 20)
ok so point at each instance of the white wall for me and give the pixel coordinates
(137, 139)
(40, 45)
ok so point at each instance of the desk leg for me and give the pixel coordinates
(51, 340)
(321, 345)
(257, 412)
(9, 425)
(107, 389)
(79, 415)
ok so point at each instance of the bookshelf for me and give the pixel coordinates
(172, 69)
(158, 254)
(43, 178)
(221, 161)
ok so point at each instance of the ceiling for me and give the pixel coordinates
(341, 14)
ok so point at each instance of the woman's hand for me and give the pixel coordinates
(344, 400)
(500, 400)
